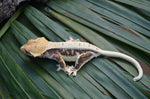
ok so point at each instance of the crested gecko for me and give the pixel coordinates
(72, 50)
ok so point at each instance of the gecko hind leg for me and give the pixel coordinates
(81, 60)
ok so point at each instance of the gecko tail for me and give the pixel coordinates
(127, 58)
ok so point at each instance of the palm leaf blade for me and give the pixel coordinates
(20, 81)
(86, 19)
(94, 19)
(83, 31)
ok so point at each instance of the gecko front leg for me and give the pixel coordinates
(54, 54)
(81, 60)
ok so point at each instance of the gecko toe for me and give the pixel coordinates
(69, 70)
(74, 73)
(59, 68)
(69, 73)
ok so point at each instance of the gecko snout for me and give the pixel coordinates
(22, 49)
(25, 50)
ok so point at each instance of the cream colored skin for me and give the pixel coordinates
(38, 46)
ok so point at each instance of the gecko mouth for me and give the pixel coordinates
(25, 51)
(28, 53)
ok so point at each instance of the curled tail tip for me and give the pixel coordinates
(136, 78)
(139, 76)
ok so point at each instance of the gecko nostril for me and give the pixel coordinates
(21, 48)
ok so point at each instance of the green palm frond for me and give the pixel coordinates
(110, 25)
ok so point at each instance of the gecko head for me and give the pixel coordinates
(35, 47)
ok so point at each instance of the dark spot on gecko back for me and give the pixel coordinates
(72, 52)
(69, 52)
(82, 59)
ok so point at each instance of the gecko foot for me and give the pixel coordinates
(70, 70)
(74, 73)
(59, 68)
